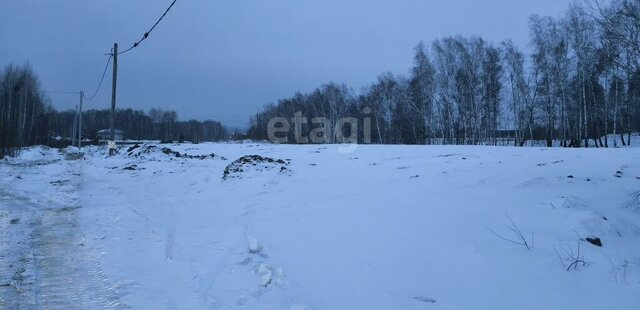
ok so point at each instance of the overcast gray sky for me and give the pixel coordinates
(223, 59)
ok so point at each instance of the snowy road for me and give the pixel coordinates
(45, 261)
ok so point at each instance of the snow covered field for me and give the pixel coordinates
(309, 227)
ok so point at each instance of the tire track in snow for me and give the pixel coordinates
(16, 269)
(50, 264)
(68, 273)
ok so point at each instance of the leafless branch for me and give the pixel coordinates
(621, 267)
(570, 258)
(518, 237)
(634, 202)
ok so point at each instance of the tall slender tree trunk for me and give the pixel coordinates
(615, 111)
(584, 107)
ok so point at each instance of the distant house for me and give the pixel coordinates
(105, 134)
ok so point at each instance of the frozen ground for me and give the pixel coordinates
(46, 261)
(309, 227)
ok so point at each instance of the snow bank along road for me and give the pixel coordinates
(307, 227)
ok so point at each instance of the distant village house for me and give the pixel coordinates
(105, 135)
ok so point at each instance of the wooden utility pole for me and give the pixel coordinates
(74, 128)
(112, 123)
(80, 122)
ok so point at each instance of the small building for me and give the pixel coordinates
(105, 135)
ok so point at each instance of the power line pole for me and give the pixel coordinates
(74, 128)
(80, 122)
(112, 123)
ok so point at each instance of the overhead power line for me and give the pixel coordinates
(101, 79)
(146, 34)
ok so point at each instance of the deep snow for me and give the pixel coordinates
(383, 227)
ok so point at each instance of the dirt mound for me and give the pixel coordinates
(143, 150)
(255, 162)
(139, 150)
(169, 151)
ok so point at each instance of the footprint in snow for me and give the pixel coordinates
(269, 276)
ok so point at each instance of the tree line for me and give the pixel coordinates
(28, 118)
(23, 110)
(579, 86)
(138, 125)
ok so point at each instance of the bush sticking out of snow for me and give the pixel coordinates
(623, 267)
(518, 237)
(634, 202)
(571, 258)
